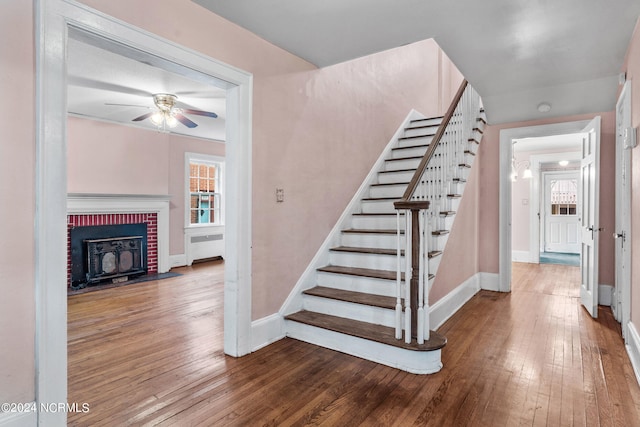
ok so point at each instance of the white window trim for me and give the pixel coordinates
(203, 158)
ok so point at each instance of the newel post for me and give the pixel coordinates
(416, 295)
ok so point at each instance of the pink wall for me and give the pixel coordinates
(308, 127)
(489, 156)
(632, 67)
(146, 162)
(17, 159)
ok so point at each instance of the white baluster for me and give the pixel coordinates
(421, 263)
(407, 278)
(398, 280)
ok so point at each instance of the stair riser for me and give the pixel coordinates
(409, 152)
(360, 312)
(420, 140)
(378, 206)
(417, 362)
(387, 191)
(374, 261)
(358, 240)
(395, 177)
(358, 260)
(396, 165)
(357, 284)
(386, 222)
(420, 131)
(424, 122)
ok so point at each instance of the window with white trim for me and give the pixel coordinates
(205, 180)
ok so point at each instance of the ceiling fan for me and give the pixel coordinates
(166, 113)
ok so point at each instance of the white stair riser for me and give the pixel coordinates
(382, 222)
(357, 283)
(421, 131)
(410, 142)
(361, 240)
(394, 177)
(424, 122)
(396, 190)
(438, 243)
(419, 150)
(401, 164)
(417, 362)
(348, 310)
(360, 260)
(434, 263)
(378, 206)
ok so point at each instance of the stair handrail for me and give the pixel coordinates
(415, 180)
(465, 107)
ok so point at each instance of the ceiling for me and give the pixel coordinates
(99, 74)
(516, 53)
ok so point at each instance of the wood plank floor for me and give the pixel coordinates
(151, 354)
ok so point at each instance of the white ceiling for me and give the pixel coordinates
(97, 76)
(516, 53)
(566, 142)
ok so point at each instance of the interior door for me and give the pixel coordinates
(561, 214)
(589, 207)
(622, 306)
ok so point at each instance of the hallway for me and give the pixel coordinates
(532, 357)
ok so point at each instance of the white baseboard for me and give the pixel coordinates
(489, 281)
(605, 295)
(633, 349)
(447, 306)
(179, 260)
(19, 419)
(266, 331)
(520, 256)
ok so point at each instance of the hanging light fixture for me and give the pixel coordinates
(165, 114)
(526, 174)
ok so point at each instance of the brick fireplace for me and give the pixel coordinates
(89, 210)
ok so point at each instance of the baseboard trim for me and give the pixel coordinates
(266, 331)
(19, 419)
(633, 349)
(605, 295)
(179, 260)
(447, 306)
(489, 281)
(520, 256)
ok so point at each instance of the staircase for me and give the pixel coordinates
(351, 296)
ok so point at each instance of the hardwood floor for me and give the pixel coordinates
(151, 354)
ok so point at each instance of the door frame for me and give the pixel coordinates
(53, 18)
(504, 217)
(622, 307)
(543, 200)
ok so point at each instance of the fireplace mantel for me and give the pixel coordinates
(88, 203)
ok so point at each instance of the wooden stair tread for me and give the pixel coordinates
(378, 199)
(390, 184)
(374, 251)
(368, 331)
(362, 272)
(371, 231)
(399, 171)
(407, 138)
(354, 297)
(434, 254)
(376, 213)
(398, 159)
(440, 232)
(447, 213)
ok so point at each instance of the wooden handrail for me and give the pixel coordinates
(434, 143)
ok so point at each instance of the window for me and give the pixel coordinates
(564, 196)
(205, 175)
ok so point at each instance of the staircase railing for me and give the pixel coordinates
(424, 199)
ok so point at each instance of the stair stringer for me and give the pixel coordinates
(308, 279)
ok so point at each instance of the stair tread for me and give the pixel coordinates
(368, 331)
(447, 213)
(407, 138)
(371, 231)
(399, 170)
(363, 272)
(439, 232)
(354, 297)
(376, 251)
(398, 159)
(390, 184)
(377, 199)
(409, 147)
(376, 213)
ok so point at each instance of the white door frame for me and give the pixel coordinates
(506, 152)
(567, 174)
(52, 22)
(536, 201)
(622, 307)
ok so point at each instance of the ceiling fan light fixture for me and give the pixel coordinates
(157, 118)
(544, 107)
(171, 120)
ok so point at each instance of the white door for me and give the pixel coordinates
(561, 212)
(589, 207)
(622, 306)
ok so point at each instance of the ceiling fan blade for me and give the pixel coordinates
(200, 112)
(142, 117)
(185, 121)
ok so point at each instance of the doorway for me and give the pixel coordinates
(54, 19)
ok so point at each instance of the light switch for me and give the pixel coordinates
(279, 195)
(525, 202)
